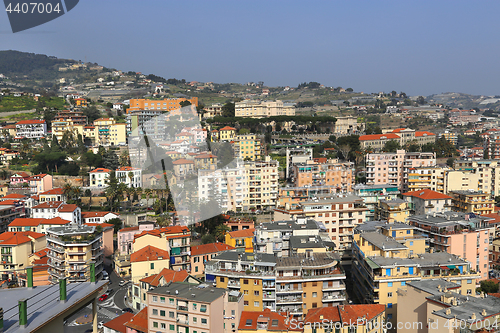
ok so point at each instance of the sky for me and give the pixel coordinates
(418, 47)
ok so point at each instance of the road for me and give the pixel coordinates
(109, 309)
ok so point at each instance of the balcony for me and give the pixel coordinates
(290, 299)
(182, 308)
(233, 284)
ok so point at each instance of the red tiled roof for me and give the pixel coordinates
(252, 317)
(168, 275)
(227, 128)
(41, 253)
(18, 237)
(345, 313)
(149, 253)
(397, 130)
(209, 248)
(8, 202)
(53, 191)
(68, 208)
(95, 224)
(96, 214)
(370, 137)
(14, 196)
(175, 229)
(38, 177)
(205, 156)
(242, 233)
(423, 133)
(118, 324)
(100, 170)
(494, 216)
(427, 194)
(140, 321)
(30, 121)
(32, 222)
(22, 174)
(127, 168)
(128, 229)
(182, 161)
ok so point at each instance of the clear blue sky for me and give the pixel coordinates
(419, 47)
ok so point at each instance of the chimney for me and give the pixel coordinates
(483, 313)
(448, 311)
(473, 317)
(23, 313)
(62, 291)
(29, 278)
(1, 319)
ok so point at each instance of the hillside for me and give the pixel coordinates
(15, 63)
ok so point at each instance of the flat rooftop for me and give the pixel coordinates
(436, 259)
(301, 260)
(43, 303)
(383, 242)
(432, 286)
(474, 305)
(190, 292)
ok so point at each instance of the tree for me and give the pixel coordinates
(332, 138)
(345, 149)
(110, 160)
(117, 223)
(450, 161)
(207, 239)
(421, 100)
(92, 114)
(220, 232)
(228, 110)
(391, 146)
(163, 221)
(489, 286)
(184, 103)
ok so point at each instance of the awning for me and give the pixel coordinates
(451, 266)
(444, 267)
(371, 263)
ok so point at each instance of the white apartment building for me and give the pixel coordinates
(258, 109)
(31, 129)
(132, 177)
(52, 209)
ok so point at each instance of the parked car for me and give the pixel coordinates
(128, 310)
(109, 291)
(122, 283)
(100, 325)
(103, 297)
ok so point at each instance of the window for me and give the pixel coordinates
(389, 305)
(256, 282)
(403, 283)
(203, 321)
(155, 312)
(411, 243)
(245, 281)
(469, 291)
(245, 292)
(389, 284)
(162, 299)
(194, 306)
(171, 301)
(152, 265)
(233, 312)
(171, 314)
(389, 316)
(245, 303)
(315, 294)
(163, 325)
(203, 308)
(389, 294)
(469, 281)
(408, 232)
(155, 324)
(222, 279)
(155, 298)
(195, 320)
(256, 293)
(171, 327)
(196, 269)
(256, 304)
(315, 305)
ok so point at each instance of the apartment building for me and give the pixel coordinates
(241, 239)
(439, 303)
(394, 168)
(372, 194)
(292, 284)
(264, 109)
(15, 250)
(296, 155)
(147, 261)
(109, 133)
(71, 250)
(125, 236)
(338, 215)
(227, 133)
(148, 122)
(384, 262)
(263, 182)
(9, 211)
(494, 256)
(348, 125)
(247, 147)
(73, 121)
(492, 144)
(427, 202)
(291, 196)
(132, 177)
(393, 210)
(264, 321)
(201, 254)
(472, 202)
(39, 225)
(40, 183)
(212, 111)
(463, 235)
(182, 307)
(323, 172)
(31, 129)
(431, 178)
(168, 104)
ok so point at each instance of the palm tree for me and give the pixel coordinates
(77, 193)
(138, 191)
(220, 232)
(67, 189)
(88, 193)
(163, 221)
(131, 177)
(148, 193)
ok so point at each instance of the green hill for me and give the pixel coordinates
(34, 65)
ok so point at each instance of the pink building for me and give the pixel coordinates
(40, 183)
(393, 168)
(464, 235)
(19, 178)
(139, 323)
(200, 254)
(126, 236)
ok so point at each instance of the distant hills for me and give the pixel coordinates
(31, 64)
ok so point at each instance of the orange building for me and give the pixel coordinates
(168, 104)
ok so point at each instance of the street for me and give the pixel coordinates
(108, 309)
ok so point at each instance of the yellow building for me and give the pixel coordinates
(81, 102)
(431, 178)
(147, 261)
(227, 133)
(240, 239)
(365, 317)
(386, 260)
(257, 109)
(247, 147)
(472, 202)
(168, 104)
(394, 210)
(107, 132)
(15, 249)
